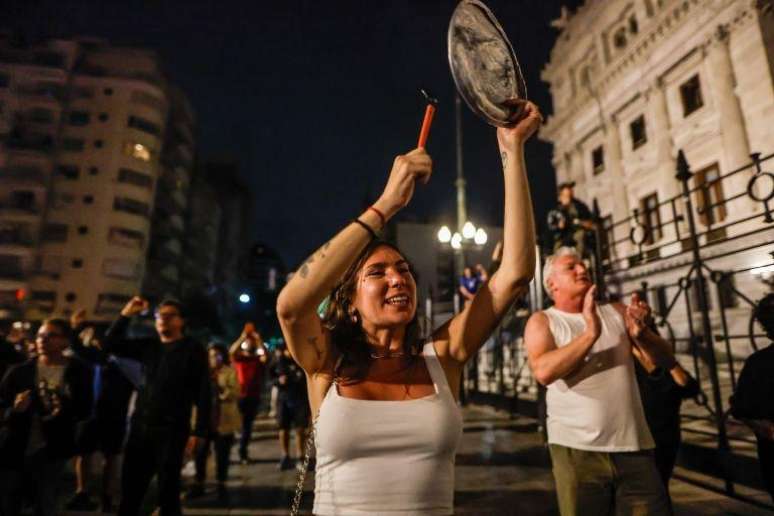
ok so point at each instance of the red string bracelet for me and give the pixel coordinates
(381, 215)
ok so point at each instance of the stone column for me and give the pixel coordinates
(662, 137)
(722, 82)
(618, 191)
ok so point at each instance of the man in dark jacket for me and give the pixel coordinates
(176, 379)
(751, 401)
(571, 222)
(41, 402)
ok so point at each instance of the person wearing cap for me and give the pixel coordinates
(571, 221)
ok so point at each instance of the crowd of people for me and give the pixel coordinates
(143, 406)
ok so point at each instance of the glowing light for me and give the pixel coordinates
(444, 235)
(468, 230)
(456, 241)
(244, 298)
(480, 237)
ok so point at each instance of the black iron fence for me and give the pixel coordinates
(701, 258)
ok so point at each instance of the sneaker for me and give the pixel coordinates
(285, 463)
(81, 502)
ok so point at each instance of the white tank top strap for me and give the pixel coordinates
(436, 371)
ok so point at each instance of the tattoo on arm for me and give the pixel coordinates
(304, 269)
(504, 157)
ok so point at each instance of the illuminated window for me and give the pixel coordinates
(651, 217)
(137, 151)
(710, 196)
(121, 268)
(126, 237)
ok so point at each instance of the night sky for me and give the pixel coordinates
(314, 99)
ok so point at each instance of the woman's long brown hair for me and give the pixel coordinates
(347, 336)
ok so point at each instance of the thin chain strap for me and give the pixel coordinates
(294, 507)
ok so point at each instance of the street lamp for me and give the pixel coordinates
(458, 240)
(244, 298)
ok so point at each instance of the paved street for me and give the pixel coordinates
(502, 468)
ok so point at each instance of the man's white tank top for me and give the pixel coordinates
(388, 457)
(597, 407)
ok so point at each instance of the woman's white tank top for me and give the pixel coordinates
(388, 457)
(597, 407)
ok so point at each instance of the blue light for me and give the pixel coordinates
(244, 298)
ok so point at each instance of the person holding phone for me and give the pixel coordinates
(249, 355)
(385, 399)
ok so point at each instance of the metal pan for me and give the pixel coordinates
(484, 66)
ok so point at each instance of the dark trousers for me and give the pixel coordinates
(152, 451)
(222, 445)
(766, 460)
(248, 406)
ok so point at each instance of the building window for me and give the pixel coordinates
(726, 294)
(82, 92)
(40, 115)
(108, 91)
(71, 144)
(651, 218)
(637, 132)
(23, 200)
(62, 199)
(143, 125)
(88, 199)
(99, 144)
(126, 237)
(662, 302)
(70, 297)
(634, 27)
(690, 93)
(598, 160)
(110, 303)
(103, 117)
(120, 268)
(93, 171)
(694, 293)
(135, 178)
(619, 38)
(82, 230)
(137, 150)
(68, 171)
(709, 196)
(43, 300)
(5, 80)
(77, 263)
(140, 97)
(132, 206)
(54, 233)
(79, 118)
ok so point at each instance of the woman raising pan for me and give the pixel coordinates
(388, 423)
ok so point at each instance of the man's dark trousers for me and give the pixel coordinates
(152, 451)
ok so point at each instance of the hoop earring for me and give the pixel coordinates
(354, 317)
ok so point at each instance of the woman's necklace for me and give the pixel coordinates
(386, 354)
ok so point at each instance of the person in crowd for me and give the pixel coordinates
(571, 221)
(751, 402)
(105, 430)
(662, 392)
(292, 404)
(225, 421)
(176, 378)
(600, 444)
(471, 280)
(385, 400)
(42, 401)
(249, 356)
(12, 348)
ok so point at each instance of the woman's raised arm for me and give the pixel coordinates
(308, 341)
(461, 338)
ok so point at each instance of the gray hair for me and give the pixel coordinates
(548, 268)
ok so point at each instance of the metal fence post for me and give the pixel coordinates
(684, 175)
